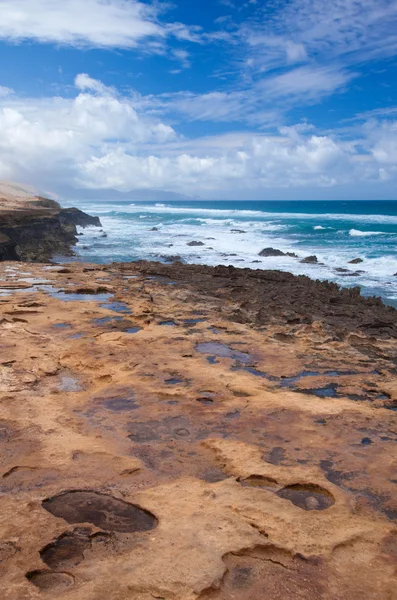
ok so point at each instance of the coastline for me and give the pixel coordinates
(237, 427)
(33, 228)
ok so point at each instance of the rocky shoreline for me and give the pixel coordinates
(194, 433)
(35, 229)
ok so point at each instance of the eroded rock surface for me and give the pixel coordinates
(245, 451)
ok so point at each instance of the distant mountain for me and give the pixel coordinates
(70, 193)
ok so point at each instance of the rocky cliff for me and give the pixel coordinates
(33, 228)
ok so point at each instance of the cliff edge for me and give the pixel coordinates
(34, 228)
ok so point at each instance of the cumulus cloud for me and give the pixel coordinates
(102, 139)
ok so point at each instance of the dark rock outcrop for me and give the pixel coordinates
(267, 252)
(75, 216)
(34, 229)
(355, 261)
(195, 244)
(311, 260)
(262, 297)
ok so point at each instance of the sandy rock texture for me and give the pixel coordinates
(188, 433)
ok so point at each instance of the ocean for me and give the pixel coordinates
(234, 233)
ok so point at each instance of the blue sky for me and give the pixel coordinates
(217, 98)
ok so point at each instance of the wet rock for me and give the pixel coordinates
(79, 218)
(267, 252)
(171, 258)
(154, 229)
(309, 260)
(238, 231)
(355, 261)
(195, 243)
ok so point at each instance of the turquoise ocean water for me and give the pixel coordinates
(336, 232)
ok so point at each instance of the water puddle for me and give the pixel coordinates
(76, 336)
(69, 384)
(106, 320)
(256, 373)
(291, 381)
(167, 324)
(212, 360)
(132, 330)
(222, 351)
(330, 391)
(118, 307)
(72, 297)
(174, 381)
(62, 326)
(188, 322)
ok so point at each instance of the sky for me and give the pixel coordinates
(217, 99)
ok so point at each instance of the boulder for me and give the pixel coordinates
(195, 243)
(355, 261)
(311, 260)
(154, 229)
(267, 252)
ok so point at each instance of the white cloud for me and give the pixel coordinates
(102, 139)
(92, 23)
(95, 22)
(5, 91)
(349, 31)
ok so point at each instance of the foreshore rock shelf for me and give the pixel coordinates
(186, 432)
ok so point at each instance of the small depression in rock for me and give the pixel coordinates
(259, 481)
(330, 391)
(174, 381)
(188, 322)
(70, 297)
(48, 581)
(106, 320)
(68, 550)
(62, 325)
(76, 336)
(121, 404)
(212, 360)
(106, 512)
(132, 330)
(307, 496)
(69, 384)
(205, 401)
(223, 351)
(167, 324)
(118, 307)
(257, 373)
